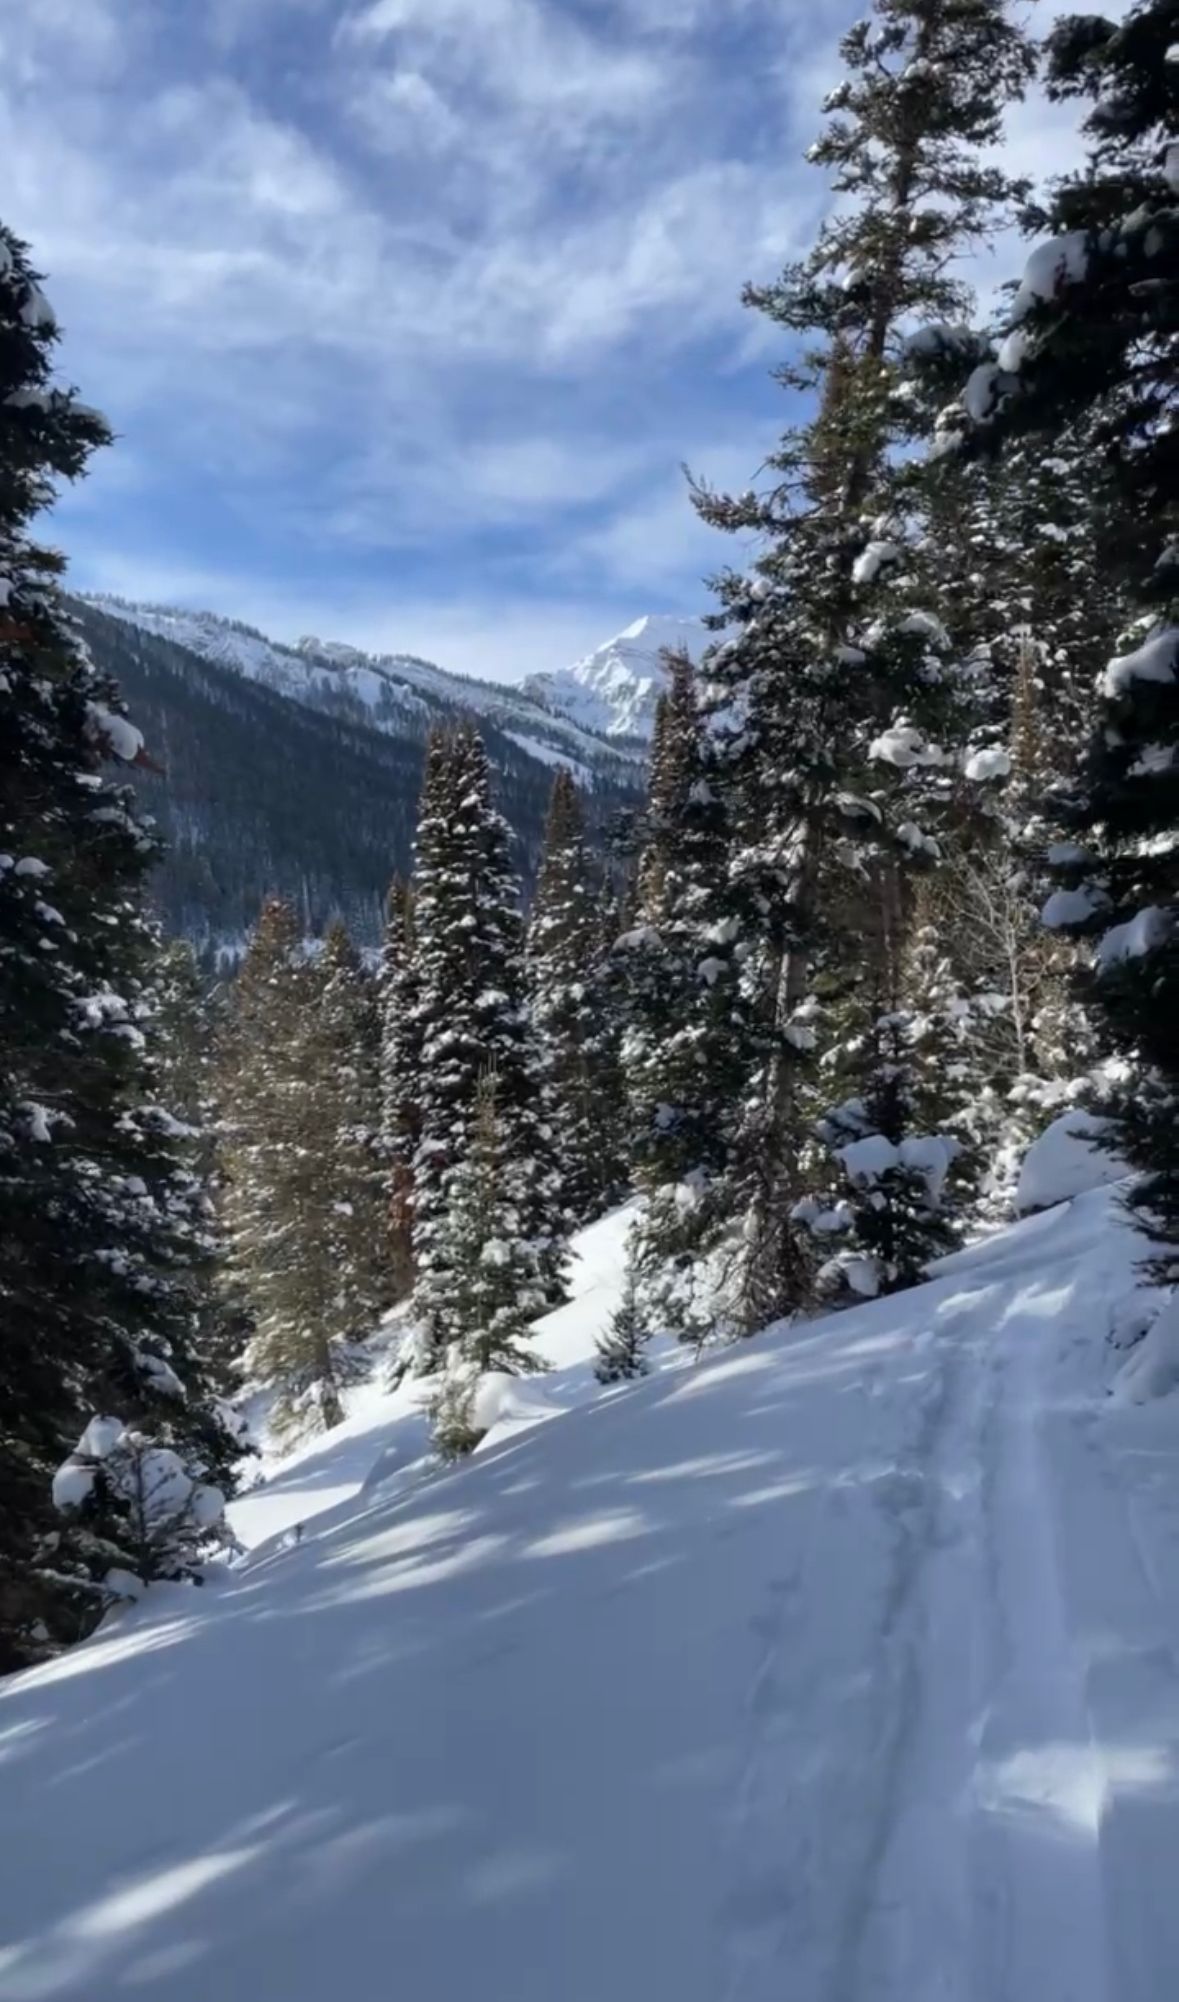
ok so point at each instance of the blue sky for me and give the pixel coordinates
(407, 312)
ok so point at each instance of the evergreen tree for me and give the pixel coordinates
(688, 1036)
(621, 1347)
(400, 1062)
(306, 1205)
(900, 1142)
(343, 1048)
(470, 966)
(260, 1087)
(571, 1014)
(186, 1037)
(836, 692)
(102, 1252)
(1094, 337)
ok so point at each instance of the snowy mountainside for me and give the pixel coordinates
(614, 690)
(844, 1663)
(270, 774)
(382, 688)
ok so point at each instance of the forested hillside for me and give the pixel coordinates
(256, 793)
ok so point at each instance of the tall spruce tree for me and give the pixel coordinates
(470, 968)
(687, 1032)
(305, 1201)
(574, 1023)
(102, 1251)
(400, 1061)
(494, 1284)
(1093, 338)
(835, 690)
(272, 1174)
(343, 1060)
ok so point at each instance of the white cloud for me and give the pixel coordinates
(500, 637)
(519, 51)
(414, 284)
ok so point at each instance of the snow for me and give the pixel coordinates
(548, 754)
(385, 686)
(925, 625)
(1143, 933)
(1064, 1162)
(1014, 350)
(41, 1119)
(992, 762)
(72, 1485)
(1151, 1369)
(614, 690)
(113, 732)
(903, 745)
(983, 391)
(1073, 907)
(931, 1155)
(101, 1437)
(867, 1159)
(937, 340)
(387, 1429)
(1063, 260)
(841, 1665)
(872, 560)
(1154, 660)
(1171, 165)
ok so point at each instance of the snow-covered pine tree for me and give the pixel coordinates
(831, 686)
(400, 1060)
(137, 1511)
(686, 1047)
(901, 1141)
(184, 1032)
(494, 1285)
(343, 1064)
(572, 1017)
(276, 1181)
(1093, 335)
(621, 1345)
(101, 1258)
(470, 967)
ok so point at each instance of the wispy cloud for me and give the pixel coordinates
(411, 309)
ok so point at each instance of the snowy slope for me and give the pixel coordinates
(385, 1438)
(839, 1668)
(613, 691)
(382, 687)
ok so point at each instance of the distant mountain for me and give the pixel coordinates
(297, 770)
(613, 691)
(381, 690)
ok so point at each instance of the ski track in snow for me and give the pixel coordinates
(842, 1668)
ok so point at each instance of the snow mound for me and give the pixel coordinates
(1064, 1162)
(1154, 660)
(1152, 1367)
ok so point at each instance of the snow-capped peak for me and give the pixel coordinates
(614, 690)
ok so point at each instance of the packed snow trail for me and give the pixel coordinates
(840, 1668)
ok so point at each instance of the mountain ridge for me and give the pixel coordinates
(599, 711)
(269, 775)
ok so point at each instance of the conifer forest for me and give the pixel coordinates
(812, 1006)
